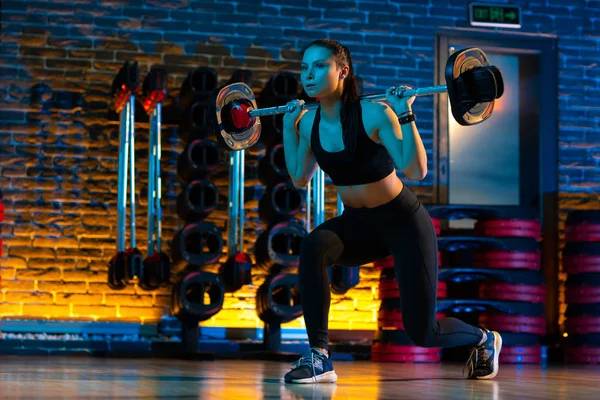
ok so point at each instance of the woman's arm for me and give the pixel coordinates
(299, 158)
(404, 144)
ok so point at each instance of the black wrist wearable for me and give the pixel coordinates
(407, 119)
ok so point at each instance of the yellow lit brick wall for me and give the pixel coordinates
(52, 278)
(58, 160)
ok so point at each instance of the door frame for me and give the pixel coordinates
(512, 43)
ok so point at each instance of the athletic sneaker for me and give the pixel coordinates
(483, 360)
(313, 367)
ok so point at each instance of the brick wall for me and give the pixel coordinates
(58, 152)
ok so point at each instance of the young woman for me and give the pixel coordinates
(357, 143)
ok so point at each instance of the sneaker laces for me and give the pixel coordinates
(309, 359)
(477, 359)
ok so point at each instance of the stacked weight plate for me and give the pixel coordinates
(581, 262)
(277, 247)
(391, 343)
(494, 276)
(199, 242)
(522, 333)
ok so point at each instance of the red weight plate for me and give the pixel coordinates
(582, 269)
(390, 318)
(584, 232)
(390, 313)
(387, 318)
(583, 237)
(520, 224)
(442, 291)
(507, 265)
(581, 264)
(388, 289)
(582, 258)
(392, 348)
(405, 358)
(581, 359)
(394, 314)
(388, 294)
(389, 352)
(436, 225)
(578, 350)
(518, 288)
(588, 229)
(510, 319)
(571, 298)
(240, 116)
(506, 232)
(506, 259)
(583, 290)
(498, 255)
(388, 262)
(581, 329)
(522, 350)
(389, 323)
(584, 225)
(582, 320)
(1, 211)
(513, 323)
(516, 328)
(496, 295)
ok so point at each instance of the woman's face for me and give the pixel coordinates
(321, 74)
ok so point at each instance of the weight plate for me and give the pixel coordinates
(511, 296)
(575, 217)
(233, 135)
(582, 350)
(580, 264)
(405, 358)
(398, 337)
(522, 350)
(508, 232)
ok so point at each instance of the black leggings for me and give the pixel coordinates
(402, 228)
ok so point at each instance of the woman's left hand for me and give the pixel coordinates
(398, 102)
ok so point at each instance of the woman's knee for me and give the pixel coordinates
(423, 338)
(316, 245)
(422, 334)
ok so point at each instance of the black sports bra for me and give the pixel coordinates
(361, 161)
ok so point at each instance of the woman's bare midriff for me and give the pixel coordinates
(371, 194)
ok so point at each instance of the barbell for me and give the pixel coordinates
(472, 86)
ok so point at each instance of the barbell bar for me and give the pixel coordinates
(472, 86)
(262, 112)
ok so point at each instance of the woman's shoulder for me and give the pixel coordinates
(373, 106)
(374, 111)
(306, 122)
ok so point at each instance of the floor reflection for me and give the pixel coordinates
(62, 377)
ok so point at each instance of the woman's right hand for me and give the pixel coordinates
(290, 118)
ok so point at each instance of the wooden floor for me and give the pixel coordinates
(71, 377)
